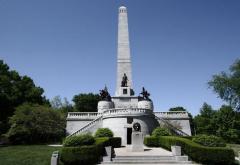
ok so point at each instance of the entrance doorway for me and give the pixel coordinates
(129, 135)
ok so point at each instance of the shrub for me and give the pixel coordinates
(36, 124)
(84, 155)
(79, 140)
(160, 131)
(199, 153)
(103, 132)
(209, 140)
(115, 142)
(151, 141)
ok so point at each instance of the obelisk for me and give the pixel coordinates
(123, 51)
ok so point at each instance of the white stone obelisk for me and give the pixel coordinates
(123, 51)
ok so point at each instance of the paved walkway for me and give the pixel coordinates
(148, 151)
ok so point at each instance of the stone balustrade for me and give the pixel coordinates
(173, 114)
(126, 111)
(83, 115)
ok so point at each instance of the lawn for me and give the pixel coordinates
(235, 147)
(26, 155)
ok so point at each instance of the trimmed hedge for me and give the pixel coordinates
(209, 141)
(78, 140)
(84, 155)
(90, 154)
(151, 141)
(103, 132)
(160, 131)
(115, 142)
(199, 153)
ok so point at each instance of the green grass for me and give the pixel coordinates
(26, 155)
(235, 147)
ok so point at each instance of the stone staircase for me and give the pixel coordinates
(172, 128)
(148, 160)
(87, 126)
(151, 156)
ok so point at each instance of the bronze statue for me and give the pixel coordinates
(124, 80)
(145, 94)
(104, 94)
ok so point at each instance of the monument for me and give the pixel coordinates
(121, 112)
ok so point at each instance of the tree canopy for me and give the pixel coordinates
(224, 123)
(177, 109)
(227, 85)
(33, 123)
(14, 91)
(86, 102)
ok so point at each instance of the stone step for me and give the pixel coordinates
(157, 157)
(148, 162)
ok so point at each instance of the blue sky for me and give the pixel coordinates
(69, 46)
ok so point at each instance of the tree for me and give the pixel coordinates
(14, 91)
(177, 109)
(32, 123)
(56, 102)
(203, 122)
(228, 122)
(86, 102)
(227, 85)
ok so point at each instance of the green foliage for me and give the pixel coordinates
(35, 124)
(104, 132)
(151, 141)
(115, 142)
(177, 109)
(84, 155)
(199, 153)
(209, 141)
(86, 102)
(224, 123)
(26, 154)
(204, 123)
(78, 140)
(16, 90)
(160, 131)
(227, 85)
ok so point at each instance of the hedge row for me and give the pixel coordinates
(198, 153)
(90, 154)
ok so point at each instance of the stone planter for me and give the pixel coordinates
(176, 150)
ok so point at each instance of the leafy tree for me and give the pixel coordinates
(177, 109)
(228, 122)
(62, 106)
(204, 123)
(227, 85)
(86, 102)
(14, 91)
(35, 124)
(161, 131)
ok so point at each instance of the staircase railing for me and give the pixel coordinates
(171, 127)
(87, 126)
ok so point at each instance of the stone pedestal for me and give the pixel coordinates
(54, 158)
(176, 150)
(137, 142)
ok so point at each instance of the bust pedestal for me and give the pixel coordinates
(137, 142)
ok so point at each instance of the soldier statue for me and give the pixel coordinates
(145, 94)
(124, 80)
(104, 94)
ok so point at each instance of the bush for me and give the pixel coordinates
(36, 124)
(103, 132)
(115, 142)
(151, 141)
(199, 153)
(160, 131)
(209, 141)
(78, 140)
(84, 155)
